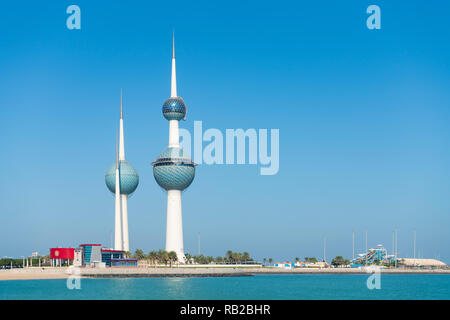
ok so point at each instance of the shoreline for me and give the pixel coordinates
(48, 273)
(351, 271)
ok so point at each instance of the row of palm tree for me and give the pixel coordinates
(164, 257)
(156, 257)
(237, 257)
(297, 259)
(230, 257)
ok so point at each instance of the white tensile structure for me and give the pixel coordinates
(121, 179)
(172, 170)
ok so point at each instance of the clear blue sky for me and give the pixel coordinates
(363, 118)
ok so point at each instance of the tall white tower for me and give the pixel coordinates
(123, 196)
(121, 179)
(172, 170)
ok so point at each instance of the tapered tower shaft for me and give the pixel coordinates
(174, 136)
(173, 84)
(123, 197)
(172, 170)
(125, 236)
(174, 228)
(118, 241)
(122, 180)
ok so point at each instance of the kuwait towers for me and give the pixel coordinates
(122, 180)
(172, 170)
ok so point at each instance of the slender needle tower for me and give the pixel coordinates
(173, 171)
(118, 223)
(122, 180)
(124, 196)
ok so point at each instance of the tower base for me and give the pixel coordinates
(174, 229)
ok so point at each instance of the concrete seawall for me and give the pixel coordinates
(236, 272)
(346, 271)
(162, 272)
(159, 272)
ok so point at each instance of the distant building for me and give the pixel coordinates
(60, 256)
(124, 263)
(319, 264)
(427, 263)
(304, 264)
(286, 265)
(300, 264)
(110, 255)
(91, 255)
(78, 257)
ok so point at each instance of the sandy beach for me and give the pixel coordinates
(33, 274)
(125, 272)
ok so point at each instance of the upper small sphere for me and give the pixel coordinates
(174, 108)
(129, 178)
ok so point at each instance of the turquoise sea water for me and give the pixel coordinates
(256, 287)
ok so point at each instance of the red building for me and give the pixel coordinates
(61, 255)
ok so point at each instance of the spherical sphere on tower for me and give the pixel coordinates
(172, 170)
(174, 108)
(129, 178)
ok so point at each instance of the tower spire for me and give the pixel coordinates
(173, 45)
(117, 151)
(121, 137)
(173, 87)
(121, 108)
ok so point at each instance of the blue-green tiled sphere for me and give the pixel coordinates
(174, 109)
(172, 170)
(129, 178)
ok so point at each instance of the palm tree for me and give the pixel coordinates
(139, 254)
(172, 257)
(188, 258)
(229, 256)
(163, 256)
(159, 256)
(236, 256)
(270, 260)
(338, 260)
(200, 259)
(152, 256)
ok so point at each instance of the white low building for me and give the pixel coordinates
(286, 265)
(411, 262)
